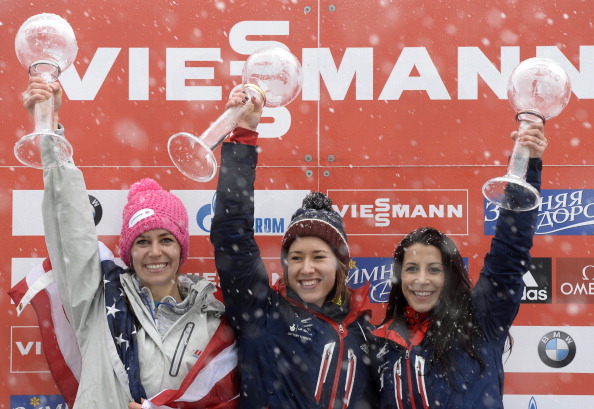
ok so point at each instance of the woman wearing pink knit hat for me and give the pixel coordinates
(145, 333)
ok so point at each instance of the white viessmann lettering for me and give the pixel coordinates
(413, 70)
(383, 211)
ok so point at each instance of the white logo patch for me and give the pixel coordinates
(140, 215)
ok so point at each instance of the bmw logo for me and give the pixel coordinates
(556, 349)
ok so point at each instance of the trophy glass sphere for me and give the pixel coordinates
(271, 74)
(276, 72)
(45, 44)
(538, 89)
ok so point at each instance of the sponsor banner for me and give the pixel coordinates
(575, 280)
(272, 213)
(107, 211)
(547, 401)
(373, 114)
(554, 349)
(562, 212)
(37, 402)
(399, 211)
(538, 281)
(26, 213)
(376, 271)
(26, 351)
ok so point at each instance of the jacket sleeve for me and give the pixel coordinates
(70, 237)
(499, 290)
(244, 279)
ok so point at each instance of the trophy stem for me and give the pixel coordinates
(193, 156)
(219, 129)
(511, 191)
(43, 115)
(518, 162)
(28, 149)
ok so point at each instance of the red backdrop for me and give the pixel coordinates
(403, 104)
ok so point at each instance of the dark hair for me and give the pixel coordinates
(452, 320)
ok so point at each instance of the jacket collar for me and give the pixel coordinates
(417, 327)
(359, 300)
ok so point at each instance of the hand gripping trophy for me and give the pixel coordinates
(271, 74)
(538, 89)
(46, 46)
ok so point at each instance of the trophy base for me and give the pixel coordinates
(192, 157)
(511, 193)
(28, 150)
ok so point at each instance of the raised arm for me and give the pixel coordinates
(243, 277)
(499, 289)
(70, 234)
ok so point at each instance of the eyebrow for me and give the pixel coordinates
(414, 263)
(144, 236)
(315, 251)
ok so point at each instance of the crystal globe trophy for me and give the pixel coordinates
(45, 44)
(538, 89)
(271, 74)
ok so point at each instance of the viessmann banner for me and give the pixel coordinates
(402, 117)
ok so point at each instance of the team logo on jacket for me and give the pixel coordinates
(301, 330)
(383, 351)
(556, 349)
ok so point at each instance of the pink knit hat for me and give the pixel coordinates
(150, 207)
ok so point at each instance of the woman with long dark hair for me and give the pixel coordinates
(444, 338)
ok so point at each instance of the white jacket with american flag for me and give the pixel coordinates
(167, 365)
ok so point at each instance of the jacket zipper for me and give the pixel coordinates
(341, 333)
(409, 377)
(180, 349)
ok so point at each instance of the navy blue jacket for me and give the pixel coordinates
(409, 380)
(290, 355)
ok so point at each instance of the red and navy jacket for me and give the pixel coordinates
(290, 355)
(409, 380)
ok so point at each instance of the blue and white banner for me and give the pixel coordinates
(562, 212)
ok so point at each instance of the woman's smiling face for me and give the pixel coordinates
(311, 269)
(156, 259)
(423, 276)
